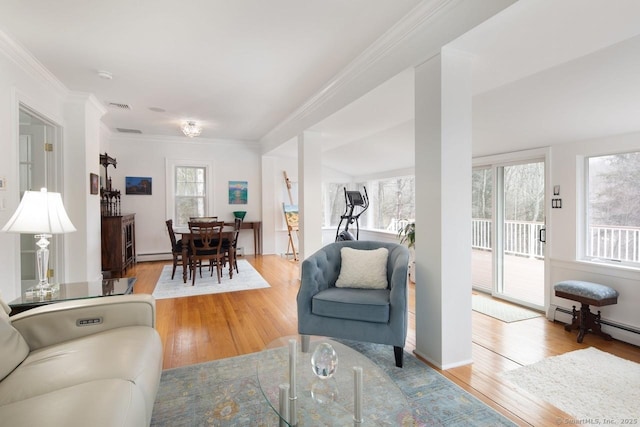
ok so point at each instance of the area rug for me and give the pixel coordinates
(247, 278)
(501, 310)
(587, 384)
(226, 393)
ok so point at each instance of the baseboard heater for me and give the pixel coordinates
(154, 256)
(603, 321)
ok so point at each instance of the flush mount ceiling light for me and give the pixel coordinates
(105, 75)
(191, 129)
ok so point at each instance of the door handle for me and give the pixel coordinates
(542, 235)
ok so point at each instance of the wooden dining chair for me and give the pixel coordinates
(176, 247)
(206, 245)
(203, 218)
(232, 246)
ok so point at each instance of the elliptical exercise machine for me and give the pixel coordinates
(353, 200)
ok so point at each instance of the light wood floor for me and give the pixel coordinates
(202, 328)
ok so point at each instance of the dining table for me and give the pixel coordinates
(185, 235)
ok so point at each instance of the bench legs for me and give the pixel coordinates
(586, 322)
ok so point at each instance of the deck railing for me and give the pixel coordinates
(614, 243)
(521, 238)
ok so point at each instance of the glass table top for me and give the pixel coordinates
(78, 290)
(331, 401)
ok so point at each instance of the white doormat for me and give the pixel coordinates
(501, 310)
(587, 384)
(247, 278)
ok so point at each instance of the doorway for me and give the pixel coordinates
(37, 167)
(509, 231)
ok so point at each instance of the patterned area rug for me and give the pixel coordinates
(247, 278)
(501, 310)
(591, 385)
(226, 393)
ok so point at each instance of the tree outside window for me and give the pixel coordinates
(190, 193)
(613, 208)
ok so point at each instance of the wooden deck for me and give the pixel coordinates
(523, 277)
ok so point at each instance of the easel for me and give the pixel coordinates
(291, 218)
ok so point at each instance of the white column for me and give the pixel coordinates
(83, 259)
(309, 191)
(443, 209)
(269, 205)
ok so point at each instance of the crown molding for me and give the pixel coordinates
(417, 18)
(27, 62)
(154, 139)
(87, 98)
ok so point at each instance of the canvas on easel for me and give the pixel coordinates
(291, 218)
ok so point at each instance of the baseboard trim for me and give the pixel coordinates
(621, 332)
(157, 256)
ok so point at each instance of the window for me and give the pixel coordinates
(333, 203)
(391, 203)
(190, 193)
(613, 208)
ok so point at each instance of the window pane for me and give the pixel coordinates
(392, 203)
(333, 202)
(613, 207)
(190, 193)
(481, 228)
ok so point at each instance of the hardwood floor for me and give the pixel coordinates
(209, 327)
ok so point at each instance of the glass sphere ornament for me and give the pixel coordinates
(324, 361)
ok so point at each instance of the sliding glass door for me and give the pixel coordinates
(508, 231)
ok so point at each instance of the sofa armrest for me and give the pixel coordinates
(64, 321)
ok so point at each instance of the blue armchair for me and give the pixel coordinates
(370, 315)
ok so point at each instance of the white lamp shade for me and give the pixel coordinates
(40, 212)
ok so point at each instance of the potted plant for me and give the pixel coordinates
(407, 234)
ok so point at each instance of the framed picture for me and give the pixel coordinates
(238, 192)
(3, 183)
(94, 180)
(137, 185)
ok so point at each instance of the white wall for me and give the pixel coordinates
(147, 156)
(21, 81)
(567, 162)
(24, 81)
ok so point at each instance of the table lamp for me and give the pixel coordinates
(40, 213)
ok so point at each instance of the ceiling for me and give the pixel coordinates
(545, 72)
(237, 67)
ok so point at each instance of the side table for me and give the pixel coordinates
(70, 291)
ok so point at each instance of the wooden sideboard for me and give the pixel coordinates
(118, 243)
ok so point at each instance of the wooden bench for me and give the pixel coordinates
(586, 293)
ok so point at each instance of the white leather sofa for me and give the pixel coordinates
(94, 362)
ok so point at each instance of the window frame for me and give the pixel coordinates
(585, 233)
(170, 185)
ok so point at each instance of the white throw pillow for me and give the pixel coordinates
(365, 269)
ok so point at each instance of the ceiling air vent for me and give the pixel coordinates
(120, 106)
(123, 130)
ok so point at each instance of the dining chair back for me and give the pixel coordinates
(176, 247)
(232, 249)
(203, 218)
(206, 245)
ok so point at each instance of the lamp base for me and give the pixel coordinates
(42, 258)
(38, 293)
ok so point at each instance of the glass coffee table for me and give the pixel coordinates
(331, 401)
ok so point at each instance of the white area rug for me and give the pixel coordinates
(247, 278)
(501, 310)
(587, 384)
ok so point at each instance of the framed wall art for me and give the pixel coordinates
(138, 185)
(94, 182)
(238, 192)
